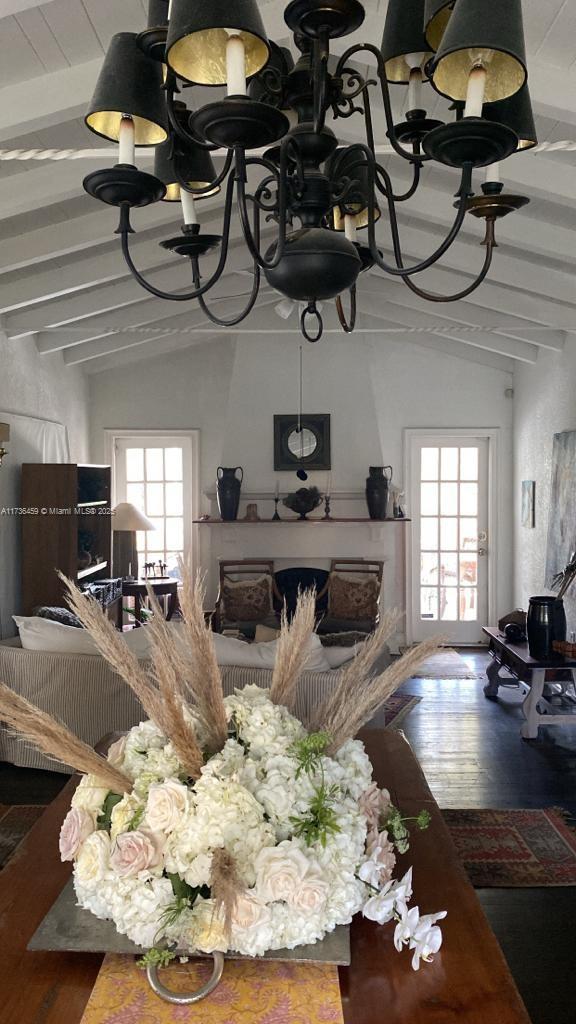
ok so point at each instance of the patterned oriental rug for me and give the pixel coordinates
(514, 849)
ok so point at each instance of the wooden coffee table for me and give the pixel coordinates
(468, 982)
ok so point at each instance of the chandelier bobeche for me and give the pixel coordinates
(318, 193)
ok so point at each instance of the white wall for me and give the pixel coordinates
(544, 405)
(42, 387)
(373, 387)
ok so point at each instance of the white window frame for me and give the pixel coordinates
(492, 435)
(164, 437)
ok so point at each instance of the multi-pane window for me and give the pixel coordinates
(449, 480)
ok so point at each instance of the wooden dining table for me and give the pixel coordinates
(468, 982)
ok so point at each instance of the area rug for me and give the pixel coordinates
(15, 823)
(397, 707)
(447, 664)
(514, 849)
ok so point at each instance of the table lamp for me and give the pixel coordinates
(4, 436)
(126, 520)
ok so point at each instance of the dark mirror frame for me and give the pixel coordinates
(319, 424)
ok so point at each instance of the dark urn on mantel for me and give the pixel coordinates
(377, 486)
(228, 492)
(545, 623)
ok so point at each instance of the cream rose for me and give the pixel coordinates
(134, 852)
(207, 931)
(90, 794)
(167, 803)
(93, 859)
(116, 752)
(123, 813)
(76, 827)
(280, 871)
(311, 895)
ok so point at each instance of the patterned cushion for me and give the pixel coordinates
(247, 600)
(62, 615)
(352, 597)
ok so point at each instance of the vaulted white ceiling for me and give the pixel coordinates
(63, 280)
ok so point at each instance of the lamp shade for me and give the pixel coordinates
(403, 34)
(157, 13)
(347, 164)
(194, 164)
(280, 64)
(128, 517)
(198, 37)
(492, 34)
(4, 432)
(130, 85)
(436, 16)
(516, 113)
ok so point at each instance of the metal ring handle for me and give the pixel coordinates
(311, 310)
(186, 998)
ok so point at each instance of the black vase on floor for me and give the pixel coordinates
(377, 485)
(228, 492)
(545, 623)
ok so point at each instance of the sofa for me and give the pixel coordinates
(84, 693)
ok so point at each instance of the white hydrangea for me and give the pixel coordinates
(249, 800)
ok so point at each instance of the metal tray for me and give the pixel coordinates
(69, 928)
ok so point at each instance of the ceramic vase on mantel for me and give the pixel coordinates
(228, 487)
(377, 486)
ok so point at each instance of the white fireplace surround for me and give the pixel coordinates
(291, 542)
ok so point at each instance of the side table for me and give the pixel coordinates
(166, 590)
(516, 659)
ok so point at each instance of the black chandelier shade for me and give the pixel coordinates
(517, 114)
(481, 32)
(176, 161)
(129, 85)
(436, 17)
(348, 164)
(266, 86)
(157, 13)
(403, 34)
(198, 37)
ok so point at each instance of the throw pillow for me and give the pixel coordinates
(62, 615)
(39, 634)
(352, 597)
(237, 652)
(247, 600)
(264, 633)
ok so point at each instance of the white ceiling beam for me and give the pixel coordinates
(8, 7)
(47, 100)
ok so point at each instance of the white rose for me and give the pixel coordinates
(90, 794)
(93, 859)
(206, 932)
(312, 893)
(280, 871)
(123, 813)
(167, 802)
(251, 926)
(116, 752)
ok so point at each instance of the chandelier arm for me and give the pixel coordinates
(232, 321)
(124, 230)
(391, 133)
(347, 326)
(198, 193)
(175, 124)
(240, 179)
(417, 171)
(490, 244)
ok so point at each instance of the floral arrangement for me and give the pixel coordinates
(226, 823)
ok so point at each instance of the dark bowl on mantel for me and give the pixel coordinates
(304, 500)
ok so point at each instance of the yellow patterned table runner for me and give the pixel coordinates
(251, 992)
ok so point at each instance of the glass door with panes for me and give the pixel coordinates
(154, 474)
(449, 504)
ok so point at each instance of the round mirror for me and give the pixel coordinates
(302, 443)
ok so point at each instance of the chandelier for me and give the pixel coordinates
(283, 165)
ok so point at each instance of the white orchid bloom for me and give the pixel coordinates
(426, 939)
(406, 927)
(390, 901)
(370, 872)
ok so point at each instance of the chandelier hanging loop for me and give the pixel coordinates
(302, 195)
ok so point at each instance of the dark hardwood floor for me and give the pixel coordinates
(472, 754)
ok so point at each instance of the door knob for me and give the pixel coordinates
(482, 551)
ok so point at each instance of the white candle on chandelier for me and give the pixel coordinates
(277, 489)
(493, 173)
(350, 229)
(235, 64)
(188, 207)
(126, 141)
(475, 93)
(328, 490)
(414, 62)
